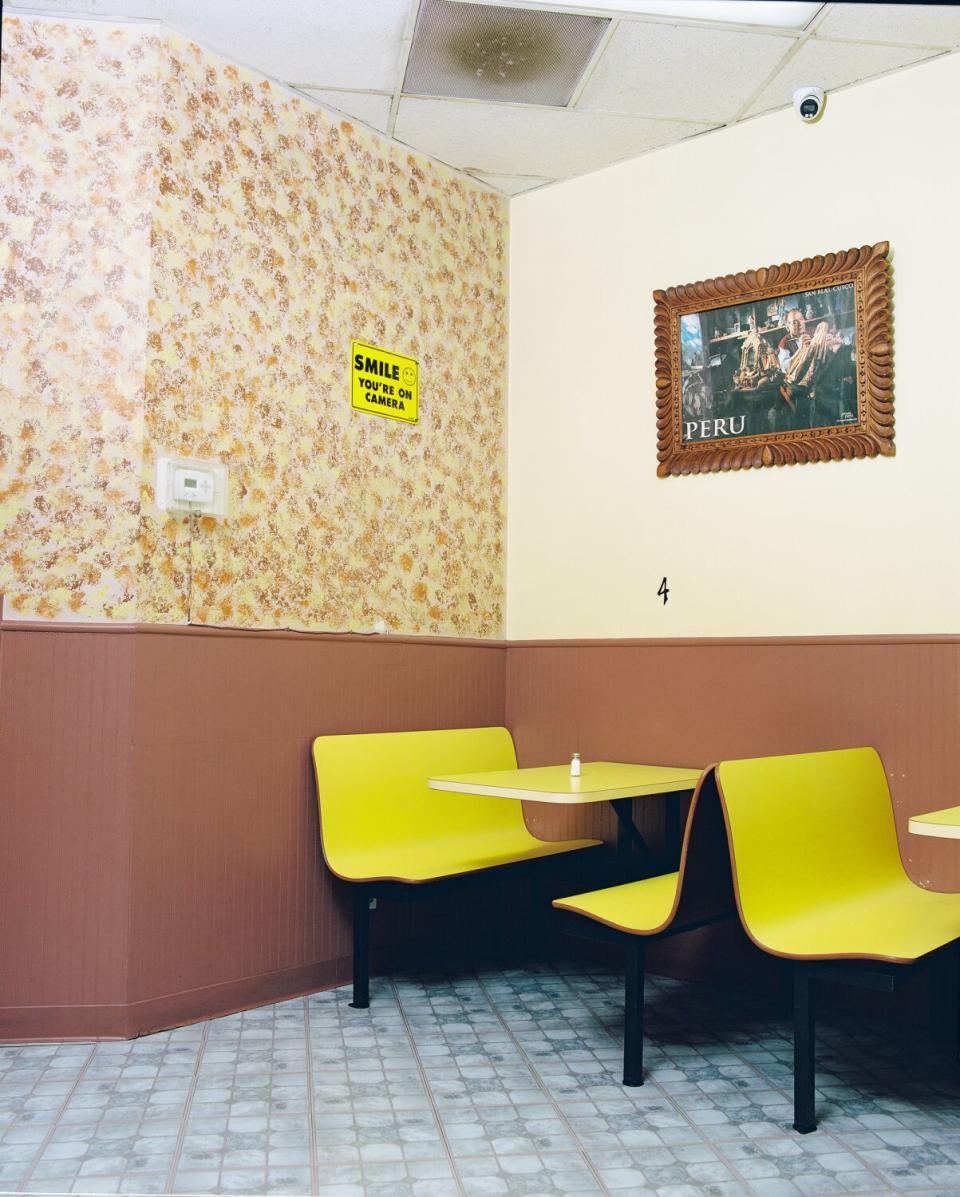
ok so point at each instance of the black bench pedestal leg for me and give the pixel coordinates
(633, 1014)
(804, 1112)
(361, 948)
(672, 831)
(944, 988)
(954, 1018)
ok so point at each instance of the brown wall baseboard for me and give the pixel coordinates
(39, 1023)
(159, 836)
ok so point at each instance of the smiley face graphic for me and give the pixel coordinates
(409, 375)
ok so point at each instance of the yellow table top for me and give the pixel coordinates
(944, 824)
(599, 781)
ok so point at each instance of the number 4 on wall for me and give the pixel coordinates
(664, 591)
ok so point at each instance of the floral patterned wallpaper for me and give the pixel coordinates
(76, 179)
(279, 233)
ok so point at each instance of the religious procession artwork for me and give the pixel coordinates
(785, 364)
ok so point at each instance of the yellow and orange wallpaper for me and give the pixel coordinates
(272, 233)
(78, 109)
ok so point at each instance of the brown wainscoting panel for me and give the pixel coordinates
(159, 858)
(161, 845)
(66, 725)
(694, 702)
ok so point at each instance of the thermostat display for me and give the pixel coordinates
(192, 485)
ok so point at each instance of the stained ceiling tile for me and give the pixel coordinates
(372, 109)
(500, 139)
(831, 65)
(908, 24)
(680, 71)
(506, 55)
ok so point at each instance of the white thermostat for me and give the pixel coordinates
(184, 484)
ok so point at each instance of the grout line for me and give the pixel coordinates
(841, 1145)
(566, 989)
(651, 118)
(345, 91)
(574, 8)
(187, 1106)
(865, 1164)
(806, 34)
(588, 71)
(715, 1146)
(935, 49)
(543, 1087)
(45, 1142)
(769, 78)
(819, 18)
(311, 1110)
(406, 48)
(428, 1091)
(731, 1164)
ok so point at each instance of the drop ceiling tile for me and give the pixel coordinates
(512, 184)
(366, 106)
(684, 72)
(499, 139)
(908, 24)
(326, 43)
(319, 43)
(780, 14)
(128, 9)
(831, 65)
(501, 55)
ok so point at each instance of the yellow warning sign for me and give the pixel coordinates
(384, 383)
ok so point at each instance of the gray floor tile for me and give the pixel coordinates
(503, 1084)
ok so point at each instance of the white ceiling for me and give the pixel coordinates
(655, 78)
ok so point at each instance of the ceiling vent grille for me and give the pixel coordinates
(508, 55)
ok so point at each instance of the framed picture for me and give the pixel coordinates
(786, 364)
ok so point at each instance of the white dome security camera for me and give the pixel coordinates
(808, 103)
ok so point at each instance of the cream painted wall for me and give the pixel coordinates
(852, 547)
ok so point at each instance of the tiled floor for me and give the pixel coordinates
(475, 1086)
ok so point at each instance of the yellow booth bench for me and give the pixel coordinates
(818, 880)
(383, 830)
(639, 912)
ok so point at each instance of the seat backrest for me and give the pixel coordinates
(372, 789)
(704, 885)
(807, 830)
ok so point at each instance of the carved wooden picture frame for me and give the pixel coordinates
(786, 364)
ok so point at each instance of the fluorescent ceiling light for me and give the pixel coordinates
(779, 14)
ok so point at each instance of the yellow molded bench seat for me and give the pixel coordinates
(699, 892)
(414, 861)
(636, 908)
(818, 878)
(898, 922)
(381, 823)
(817, 865)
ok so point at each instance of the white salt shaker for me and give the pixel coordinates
(575, 765)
